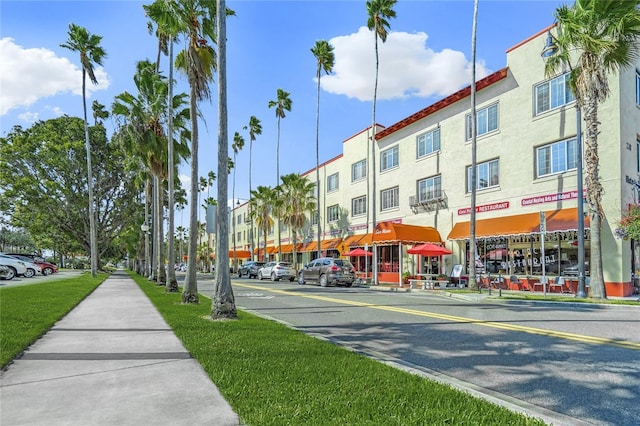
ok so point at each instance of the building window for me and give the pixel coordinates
(638, 87)
(429, 189)
(487, 120)
(487, 175)
(389, 158)
(557, 157)
(389, 198)
(333, 182)
(358, 170)
(359, 206)
(553, 94)
(314, 218)
(428, 143)
(333, 213)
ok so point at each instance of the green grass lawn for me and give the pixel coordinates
(28, 311)
(273, 375)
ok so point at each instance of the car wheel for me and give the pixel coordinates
(47, 271)
(348, 284)
(29, 273)
(323, 280)
(300, 279)
(10, 273)
(260, 276)
(273, 277)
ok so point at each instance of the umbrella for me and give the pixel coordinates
(358, 253)
(428, 249)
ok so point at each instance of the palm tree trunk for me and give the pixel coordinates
(92, 220)
(223, 305)
(172, 282)
(162, 277)
(190, 289)
(594, 200)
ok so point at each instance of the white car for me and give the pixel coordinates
(277, 271)
(17, 267)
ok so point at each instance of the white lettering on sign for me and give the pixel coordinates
(485, 208)
(550, 198)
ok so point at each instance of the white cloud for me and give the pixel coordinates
(27, 75)
(407, 67)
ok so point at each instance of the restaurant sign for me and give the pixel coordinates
(485, 208)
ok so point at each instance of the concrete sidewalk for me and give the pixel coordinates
(112, 360)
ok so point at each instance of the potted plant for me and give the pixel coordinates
(406, 276)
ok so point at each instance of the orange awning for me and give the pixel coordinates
(240, 254)
(310, 246)
(520, 224)
(352, 241)
(288, 248)
(389, 232)
(330, 244)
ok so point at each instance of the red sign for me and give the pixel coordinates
(485, 208)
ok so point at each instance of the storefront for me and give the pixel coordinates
(389, 241)
(514, 245)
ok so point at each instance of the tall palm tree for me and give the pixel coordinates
(99, 113)
(473, 171)
(91, 53)
(255, 128)
(238, 144)
(223, 304)
(143, 120)
(323, 52)
(602, 37)
(195, 19)
(261, 207)
(299, 200)
(379, 12)
(281, 104)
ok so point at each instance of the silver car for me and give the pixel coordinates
(327, 270)
(17, 267)
(277, 271)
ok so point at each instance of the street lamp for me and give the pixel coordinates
(550, 49)
(145, 230)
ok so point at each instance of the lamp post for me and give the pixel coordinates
(551, 49)
(145, 230)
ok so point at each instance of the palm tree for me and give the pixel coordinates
(142, 119)
(88, 45)
(99, 113)
(298, 200)
(238, 144)
(281, 104)
(195, 20)
(378, 11)
(603, 34)
(473, 171)
(261, 207)
(255, 128)
(223, 304)
(323, 52)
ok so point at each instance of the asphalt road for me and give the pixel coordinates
(39, 278)
(564, 363)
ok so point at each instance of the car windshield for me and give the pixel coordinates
(287, 264)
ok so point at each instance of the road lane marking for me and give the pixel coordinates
(493, 324)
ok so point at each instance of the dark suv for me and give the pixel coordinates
(327, 270)
(250, 269)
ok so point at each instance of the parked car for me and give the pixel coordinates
(6, 273)
(17, 266)
(250, 269)
(327, 270)
(46, 267)
(277, 271)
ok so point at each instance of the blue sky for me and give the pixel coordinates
(426, 57)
